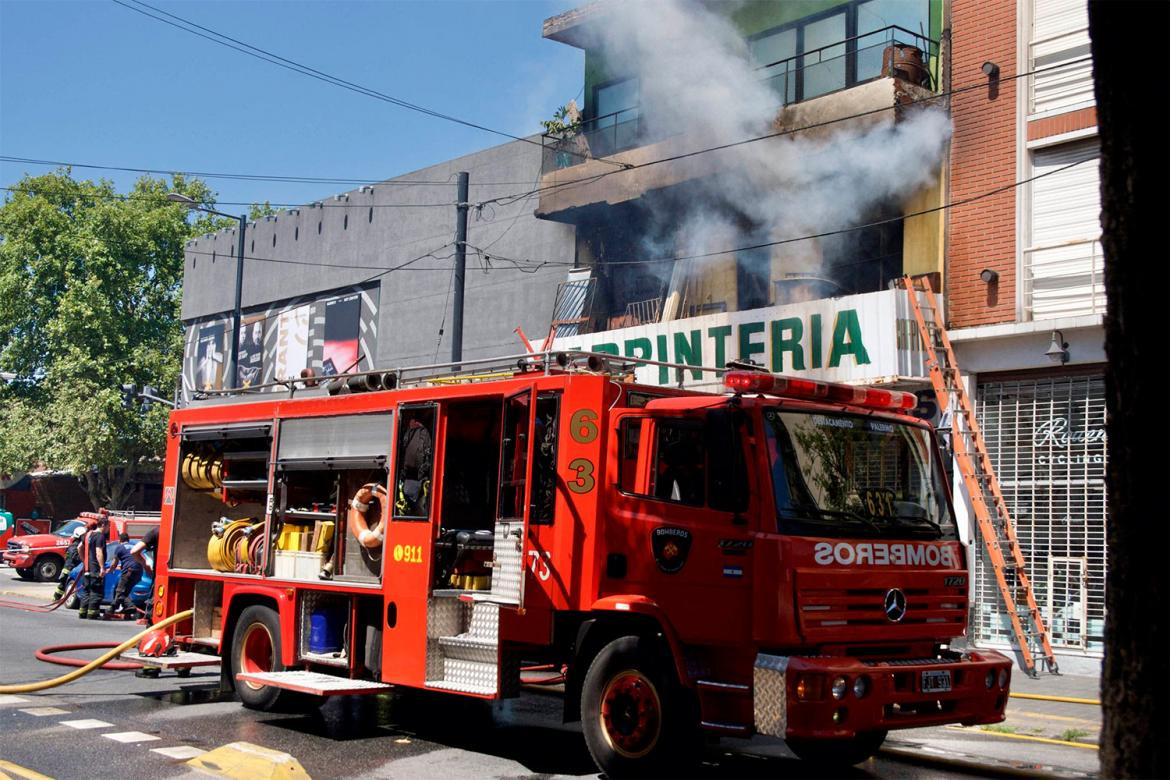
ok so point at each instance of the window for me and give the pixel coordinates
(616, 111)
(544, 457)
(678, 462)
(1059, 47)
(697, 461)
(412, 483)
(818, 55)
(1063, 262)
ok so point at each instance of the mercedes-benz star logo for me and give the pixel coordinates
(895, 604)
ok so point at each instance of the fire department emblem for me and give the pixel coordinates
(671, 546)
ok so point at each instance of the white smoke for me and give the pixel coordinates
(697, 78)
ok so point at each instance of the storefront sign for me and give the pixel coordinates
(857, 338)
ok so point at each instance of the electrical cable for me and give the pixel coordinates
(97, 662)
(824, 234)
(275, 178)
(161, 200)
(275, 59)
(792, 131)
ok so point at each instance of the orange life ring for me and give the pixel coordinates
(356, 518)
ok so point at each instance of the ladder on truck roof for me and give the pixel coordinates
(991, 511)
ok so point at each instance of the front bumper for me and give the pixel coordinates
(19, 560)
(896, 699)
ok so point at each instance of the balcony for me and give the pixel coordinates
(865, 73)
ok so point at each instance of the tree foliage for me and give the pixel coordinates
(90, 282)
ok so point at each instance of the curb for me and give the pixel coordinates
(244, 761)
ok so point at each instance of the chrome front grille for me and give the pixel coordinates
(834, 608)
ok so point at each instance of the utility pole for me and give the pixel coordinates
(233, 377)
(460, 267)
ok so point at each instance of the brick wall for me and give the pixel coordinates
(983, 158)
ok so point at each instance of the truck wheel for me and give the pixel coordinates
(632, 713)
(25, 574)
(838, 752)
(256, 648)
(47, 568)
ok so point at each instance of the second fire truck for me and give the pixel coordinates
(780, 559)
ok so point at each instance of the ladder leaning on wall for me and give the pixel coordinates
(991, 511)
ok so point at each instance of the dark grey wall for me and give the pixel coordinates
(412, 303)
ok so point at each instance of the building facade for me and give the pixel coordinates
(363, 279)
(1025, 296)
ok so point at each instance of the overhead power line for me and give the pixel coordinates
(243, 47)
(981, 84)
(161, 199)
(253, 176)
(794, 239)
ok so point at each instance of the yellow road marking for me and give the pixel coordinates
(1026, 737)
(1064, 699)
(1046, 716)
(10, 770)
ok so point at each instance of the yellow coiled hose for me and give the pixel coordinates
(97, 662)
(223, 550)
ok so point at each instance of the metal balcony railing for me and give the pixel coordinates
(889, 52)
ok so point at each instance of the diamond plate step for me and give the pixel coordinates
(469, 647)
(314, 682)
(445, 685)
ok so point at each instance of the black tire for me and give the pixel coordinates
(256, 647)
(24, 574)
(635, 719)
(838, 752)
(47, 568)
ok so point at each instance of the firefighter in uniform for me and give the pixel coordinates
(93, 561)
(148, 543)
(124, 558)
(72, 558)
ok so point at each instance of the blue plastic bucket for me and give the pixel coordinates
(325, 631)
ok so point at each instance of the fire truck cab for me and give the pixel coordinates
(781, 559)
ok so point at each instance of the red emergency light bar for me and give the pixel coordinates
(790, 387)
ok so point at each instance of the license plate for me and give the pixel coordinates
(936, 681)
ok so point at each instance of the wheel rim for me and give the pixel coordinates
(631, 714)
(257, 652)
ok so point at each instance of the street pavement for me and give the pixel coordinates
(113, 724)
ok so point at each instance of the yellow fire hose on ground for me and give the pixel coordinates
(97, 662)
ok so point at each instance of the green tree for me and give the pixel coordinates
(90, 282)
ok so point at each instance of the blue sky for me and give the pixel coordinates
(93, 82)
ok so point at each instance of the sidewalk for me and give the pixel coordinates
(1056, 738)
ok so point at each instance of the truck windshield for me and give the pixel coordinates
(852, 475)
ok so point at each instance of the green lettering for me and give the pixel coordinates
(747, 347)
(639, 348)
(814, 340)
(720, 334)
(847, 339)
(607, 347)
(790, 343)
(663, 371)
(689, 352)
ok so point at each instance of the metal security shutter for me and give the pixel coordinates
(1060, 34)
(1063, 263)
(1046, 440)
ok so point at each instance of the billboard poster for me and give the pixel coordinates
(292, 342)
(251, 360)
(340, 343)
(209, 357)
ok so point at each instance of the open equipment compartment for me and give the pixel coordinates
(221, 497)
(321, 463)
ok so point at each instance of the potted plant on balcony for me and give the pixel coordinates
(565, 130)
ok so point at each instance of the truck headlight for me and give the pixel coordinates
(840, 687)
(861, 686)
(1003, 678)
(989, 680)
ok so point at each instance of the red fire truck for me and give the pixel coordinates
(780, 559)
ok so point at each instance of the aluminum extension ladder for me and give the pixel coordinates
(991, 511)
